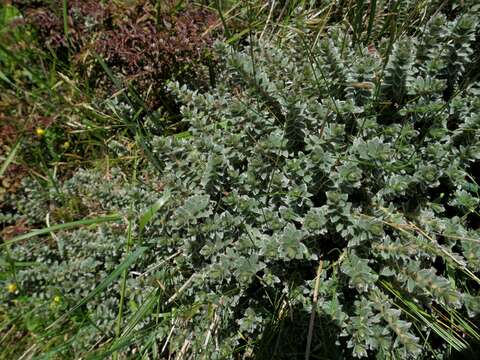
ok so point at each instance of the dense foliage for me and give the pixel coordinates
(140, 42)
(316, 177)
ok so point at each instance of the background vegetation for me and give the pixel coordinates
(201, 180)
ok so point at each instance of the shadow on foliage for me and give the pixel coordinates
(287, 338)
(469, 354)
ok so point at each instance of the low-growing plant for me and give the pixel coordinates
(323, 203)
(144, 45)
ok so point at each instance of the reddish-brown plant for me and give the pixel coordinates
(142, 44)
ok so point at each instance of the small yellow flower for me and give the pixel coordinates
(12, 288)
(66, 145)
(57, 299)
(40, 132)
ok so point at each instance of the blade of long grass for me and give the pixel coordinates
(53, 353)
(146, 147)
(129, 260)
(6, 79)
(109, 72)
(141, 312)
(272, 6)
(134, 124)
(10, 157)
(65, 226)
(19, 62)
(419, 314)
(314, 61)
(125, 342)
(234, 38)
(222, 18)
(314, 311)
(118, 84)
(65, 19)
(371, 18)
(152, 210)
(123, 287)
(18, 264)
(357, 26)
(470, 328)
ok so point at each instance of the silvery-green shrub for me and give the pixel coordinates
(307, 159)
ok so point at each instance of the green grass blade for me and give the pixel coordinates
(23, 264)
(373, 10)
(123, 288)
(109, 72)
(135, 103)
(123, 343)
(152, 210)
(54, 353)
(357, 29)
(66, 226)
(235, 38)
(65, 19)
(6, 79)
(10, 157)
(222, 18)
(19, 62)
(470, 328)
(143, 310)
(419, 314)
(130, 259)
(118, 84)
(145, 145)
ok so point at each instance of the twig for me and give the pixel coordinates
(183, 350)
(160, 263)
(182, 289)
(268, 19)
(314, 311)
(211, 329)
(168, 338)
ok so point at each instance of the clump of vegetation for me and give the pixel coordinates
(141, 43)
(321, 180)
